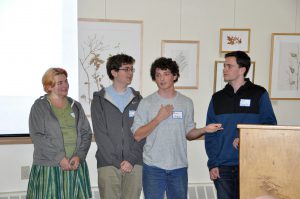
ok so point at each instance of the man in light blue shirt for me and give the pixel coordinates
(119, 155)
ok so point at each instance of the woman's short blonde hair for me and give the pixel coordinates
(48, 77)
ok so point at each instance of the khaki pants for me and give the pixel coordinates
(113, 184)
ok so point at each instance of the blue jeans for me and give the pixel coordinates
(228, 184)
(157, 181)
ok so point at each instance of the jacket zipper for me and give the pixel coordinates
(122, 129)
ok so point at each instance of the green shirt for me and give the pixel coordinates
(66, 119)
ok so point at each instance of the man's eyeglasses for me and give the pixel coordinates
(127, 69)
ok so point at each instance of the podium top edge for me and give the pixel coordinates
(274, 127)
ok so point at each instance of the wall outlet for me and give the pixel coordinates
(25, 172)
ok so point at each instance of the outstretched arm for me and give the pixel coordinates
(199, 132)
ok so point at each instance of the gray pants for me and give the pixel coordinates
(114, 184)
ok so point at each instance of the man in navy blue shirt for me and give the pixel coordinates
(240, 102)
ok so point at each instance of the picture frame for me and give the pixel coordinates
(99, 39)
(186, 54)
(232, 39)
(284, 79)
(219, 82)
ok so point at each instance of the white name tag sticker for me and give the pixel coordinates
(131, 113)
(245, 102)
(177, 115)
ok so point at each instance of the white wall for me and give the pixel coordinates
(201, 20)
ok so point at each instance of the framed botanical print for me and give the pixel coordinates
(234, 40)
(186, 54)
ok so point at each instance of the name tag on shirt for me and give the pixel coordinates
(131, 113)
(177, 115)
(245, 102)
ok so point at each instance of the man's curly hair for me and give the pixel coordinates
(164, 63)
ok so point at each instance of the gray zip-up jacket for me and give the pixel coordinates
(112, 131)
(47, 137)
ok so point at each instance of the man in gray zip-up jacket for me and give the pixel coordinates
(47, 137)
(119, 156)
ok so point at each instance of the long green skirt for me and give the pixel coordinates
(52, 182)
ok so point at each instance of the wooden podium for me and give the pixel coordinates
(269, 161)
